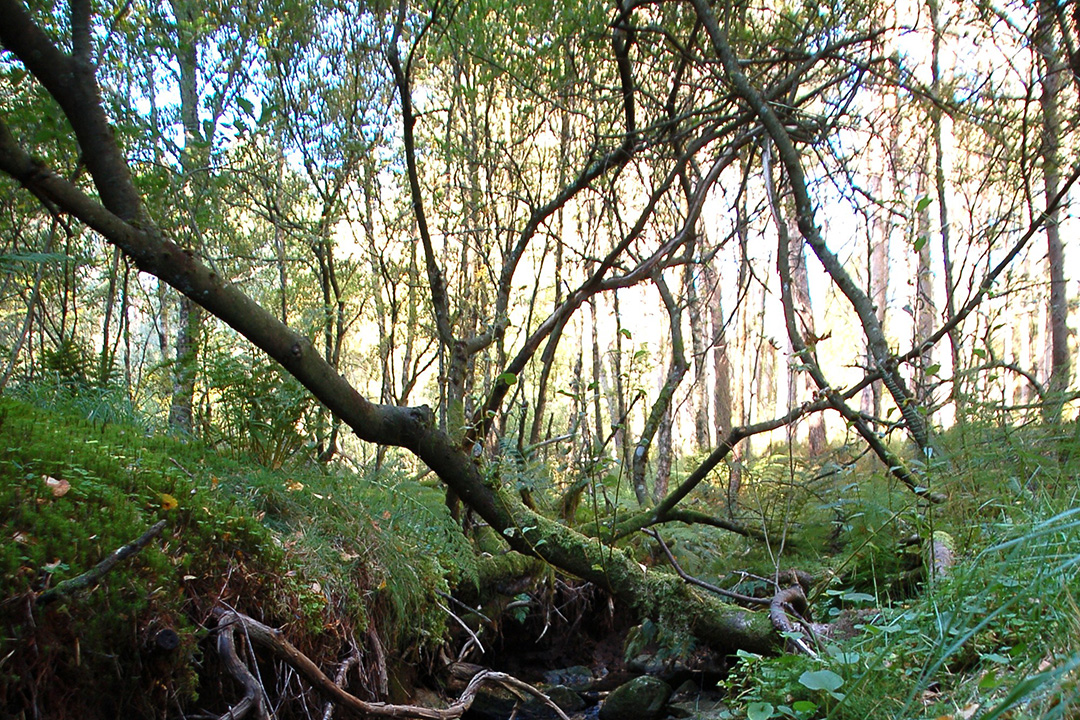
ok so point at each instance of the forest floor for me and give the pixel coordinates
(367, 573)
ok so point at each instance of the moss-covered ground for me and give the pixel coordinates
(333, 558)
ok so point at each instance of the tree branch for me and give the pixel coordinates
(93, 576)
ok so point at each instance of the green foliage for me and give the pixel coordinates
(324, 554)
(71, 393)
(258, 410)
(69, 362)
(665, 641)
(997, 635)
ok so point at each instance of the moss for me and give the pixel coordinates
(324, 555)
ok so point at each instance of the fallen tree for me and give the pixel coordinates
(118, 213)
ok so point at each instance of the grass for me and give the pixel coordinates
(998, 636)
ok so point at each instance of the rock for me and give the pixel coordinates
(497, 703)
(643, 698)
(493, 703)
(707, 705)
(427, 699)
(577, 677)
(567, 700)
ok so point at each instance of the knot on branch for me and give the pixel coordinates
(423, 416)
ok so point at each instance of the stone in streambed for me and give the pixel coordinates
(643, 698)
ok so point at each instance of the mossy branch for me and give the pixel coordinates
(93, 576)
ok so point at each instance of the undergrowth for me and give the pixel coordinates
(328, 556)
(998, 635)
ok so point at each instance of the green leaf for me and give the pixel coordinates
(933, 369)
(759, 711)
(507, 378)
(989, 681)
(857, 597)
(625, 333)
(842, 657)
(821, 680)
(247, 106)
(920, 242)
(267, 113)
(924, 202)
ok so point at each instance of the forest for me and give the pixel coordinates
(633, 360)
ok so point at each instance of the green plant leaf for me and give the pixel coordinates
(821, 680)
(759, 711)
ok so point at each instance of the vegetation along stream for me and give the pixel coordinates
(532, 360)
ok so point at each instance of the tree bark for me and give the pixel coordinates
(662, 406)
(193, 161)
(797, 378)
(699, 332)
(941, 190)
(1053, 70)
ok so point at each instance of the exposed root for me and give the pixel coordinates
(792, 601)
(801, 635)
(274, 640)
(342, 673)
(253, 691)
(737, 597)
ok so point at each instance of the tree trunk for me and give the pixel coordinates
(662, 406)
(1053, 69)
(193, 160)
(185, 366)
(878, 273)
(941, 191)
(924, 289)
(105, 359)
(698, 337)
(798, 387)
(722, 400)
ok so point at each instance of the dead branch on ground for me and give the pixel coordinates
(229, 621)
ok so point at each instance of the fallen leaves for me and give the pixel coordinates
(57, 486)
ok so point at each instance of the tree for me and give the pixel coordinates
(1053, 71)
(671, 113)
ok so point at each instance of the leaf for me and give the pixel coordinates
(267, 113)
(247, 106)
(857, 597)
(821, 680)
(920, 242)
(924, 202)
(933, 369)
(57, 486)
(507, 378)
(759, 711)
(168, 502)
(625, 333)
